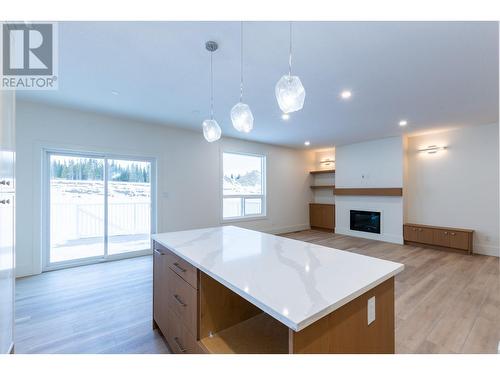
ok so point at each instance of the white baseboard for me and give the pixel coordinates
(487, 250)
(370, 236)
(293, 228)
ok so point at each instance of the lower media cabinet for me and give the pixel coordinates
(457, 239)
(196, 314)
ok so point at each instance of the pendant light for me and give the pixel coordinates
(211, 129)
(289, 90)
(241, 115)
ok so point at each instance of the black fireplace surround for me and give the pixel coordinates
(365, 221)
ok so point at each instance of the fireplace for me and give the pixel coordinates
(365, 221)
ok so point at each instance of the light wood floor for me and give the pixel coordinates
(445, 303)
(102, 308)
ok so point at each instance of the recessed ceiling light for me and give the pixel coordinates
(346, 94)
(403, 123)
(285, 116)
(307, 143)
(115, 93)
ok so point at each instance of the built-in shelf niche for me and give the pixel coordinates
(323, 186)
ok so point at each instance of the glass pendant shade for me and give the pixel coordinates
(242, 117)
(290, 94)
(211, 130)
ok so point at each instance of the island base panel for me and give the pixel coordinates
(346, 330)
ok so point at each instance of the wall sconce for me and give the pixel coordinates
(327, 162)
(433, 149)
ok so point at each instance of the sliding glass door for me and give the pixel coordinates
(129, 205)
(97, 208)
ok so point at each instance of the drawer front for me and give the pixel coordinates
(182, 300)
(179, 338)
(459, 240)
(179, 265)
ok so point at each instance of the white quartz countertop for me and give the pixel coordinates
(295, 282)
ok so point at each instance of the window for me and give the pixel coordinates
(243, 185)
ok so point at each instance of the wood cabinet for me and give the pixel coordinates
(322, 216)
(211, 318)
(442, 237)
(175, 300)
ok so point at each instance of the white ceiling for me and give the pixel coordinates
(435, 74)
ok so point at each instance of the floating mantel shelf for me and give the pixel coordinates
(394, 192)
(322, 186)
(323, 171)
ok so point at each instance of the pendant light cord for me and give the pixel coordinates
(290, 53)
(241, 62)
(211, 86)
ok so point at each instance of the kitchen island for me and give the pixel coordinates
(233, 290)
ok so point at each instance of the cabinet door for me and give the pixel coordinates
(410, 233)
(315, 215)
(160, 289)
(459, 240)
(6, 271)
(425, 235)
(441, 237)
(327, 214)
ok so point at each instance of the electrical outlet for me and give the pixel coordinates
(371, 310)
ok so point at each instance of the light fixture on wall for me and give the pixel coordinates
(432, 149)
(211, 129)
(346, 94)
(241, 115)
(289, 91)
(327, 161)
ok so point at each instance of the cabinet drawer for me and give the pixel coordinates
(179, 265)
(459, 240)
(179, 338)
(182, 300)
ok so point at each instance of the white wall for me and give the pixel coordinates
(377, 163)
(458, 187)
(188, 172)
(324, 196)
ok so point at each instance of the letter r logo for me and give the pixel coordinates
(27, 49)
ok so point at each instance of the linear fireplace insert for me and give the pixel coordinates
(365, 221)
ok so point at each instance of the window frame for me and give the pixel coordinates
(262, 196)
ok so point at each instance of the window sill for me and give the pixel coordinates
(244, 218)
